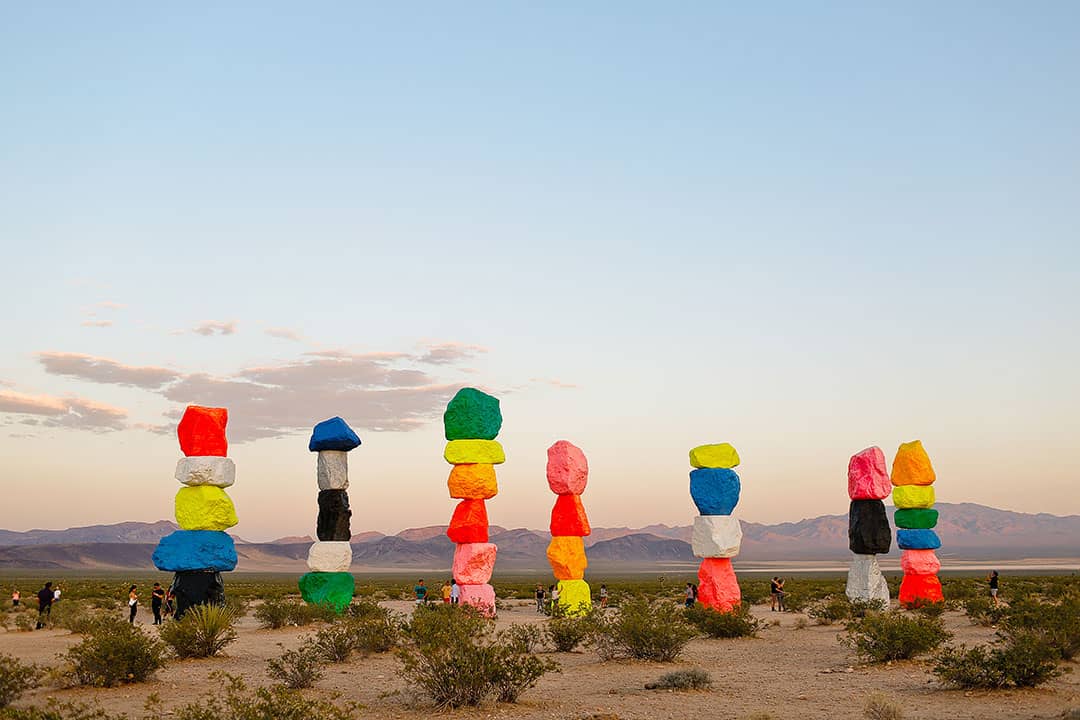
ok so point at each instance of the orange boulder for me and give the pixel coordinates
(717, 586)
(568, 517)
(918, 590)
(911, 466)
(202, 431)
(567, 557)
(473, 481)
(469, 523)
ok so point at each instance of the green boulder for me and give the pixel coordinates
(333, 589)
(916, 518)
(472, 415)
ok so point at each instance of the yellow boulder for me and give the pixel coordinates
(204, 507)
(721, 455)
(906, 497)
(474, 452)
(911, 466)
(575, 597)
(475, 481)
(566, 554)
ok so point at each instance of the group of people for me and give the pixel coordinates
(47, 596)
(450, 592)
(161, 603)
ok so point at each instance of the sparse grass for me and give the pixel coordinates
(642, 629)
(565, 634)
(297, 669)
(879, 706)
(737, 623)
(1021, 660)
(692, 679)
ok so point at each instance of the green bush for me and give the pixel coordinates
(296, 669)
(830, 609)
(204, 631)
(861, 608)
(440, 625)
(881, 637)
(929, 609)
(642, 629)
(737, 623)
(516, 672)
(16, 678)
(274, 614)
(1057, 623)
(114, 652)
(334, 643)
(692, 679)
(56, 710)
(234, 702)
(73, 616)
(1023, 660)
(566, 633)
(524, 638)
(981, 611)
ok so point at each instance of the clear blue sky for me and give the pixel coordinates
(803, 229)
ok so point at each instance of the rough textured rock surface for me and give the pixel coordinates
(913, 496)
(335, 516)
(469, 452)
(721, 455)
(206, 470)
(332, 470)
(202, 431)
(475, 481)
(472, 415)
(575, 597)
(911, 466)
(568, 517)
(715, 491)
(716, 536)
(197, 587)
(474, 563)
(204, 507)
(717, 586)
(185, 550)
(330, 557)
(917, 539)
(567, 557)
(865, 581)
(920, 589)
(868, 528)
(567, 469)
(919, 562)
(481, 597)
(469, 523)
(333, 434)
(333, 589)
(916, 518)
(867, 477)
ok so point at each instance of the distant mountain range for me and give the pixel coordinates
(968, 532)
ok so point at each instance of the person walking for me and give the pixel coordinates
(689, 595)
(455, 592)
(133, 604)
(540, 598)
(992, 578)
(44, 601)
(157, 597)
(420, 590)
(169, 597)
(16, 597)
(446, 592)
(603, 596)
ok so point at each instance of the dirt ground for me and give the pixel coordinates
(786, 672)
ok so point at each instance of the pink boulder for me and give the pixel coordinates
(717, 586)
(867, 478)
(919, 562)
(567, 469)
(474, 563)
(481, 597)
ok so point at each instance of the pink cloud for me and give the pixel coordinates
(215, 327)
(70, 411)
(450, 352)
(284, 334)
(103, 370)
(97, 323)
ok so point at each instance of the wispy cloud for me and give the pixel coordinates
(215, 327)
(448, 353)
(70, 412)
(285, 334)
(554, 383)
(97, 323)
(103, 370)
(110, 305)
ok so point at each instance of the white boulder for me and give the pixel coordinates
(865, 581)
(330, 556)
(333, 470)
(716, 536)
(206, 470)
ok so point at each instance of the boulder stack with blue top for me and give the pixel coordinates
(330, 557)
(717, 536)
(869, 533)
(913, 495)
(200, 550)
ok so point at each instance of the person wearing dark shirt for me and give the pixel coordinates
(157, 596)
(420, 590)
(774, 590)
(993, 578)
(45, 601)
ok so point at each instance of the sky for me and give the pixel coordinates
(800, 228)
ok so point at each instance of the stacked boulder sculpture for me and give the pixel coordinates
(330, 582)
(567, 475)
(913, 495)
(717, 536)
(200, 550)
(869, 533)
(471, 422)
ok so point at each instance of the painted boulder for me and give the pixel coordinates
(567, 469)
(567, 557)
(917, 539)
(911, 466)
(332, 589)
(716, 536)
(906, 497)
(916, 590)
(471, 452)
(575, 597)
(868, 528)
(916, 518)
(867, 477)
(330, 557)
(332, 470)
(197, 587)
(481, 597)
(204, 507)
(333, 434)
(717, 586)
(185, 550)
(865, 581)
(715, 491)
(475, 481)
(206, 470)
(469, 524)
(474, 563)
(568, 517)
(720, 455)
(472, 415)
(919, 562)
(202, 431)
(335, 516)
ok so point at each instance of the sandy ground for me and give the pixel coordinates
(788, 672)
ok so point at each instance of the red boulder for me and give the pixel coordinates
(918, 590)
(568, 517)
(202, 431)
(469, 523)
(717, 586)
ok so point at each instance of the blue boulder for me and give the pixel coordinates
(715, 491)
(333, 434)
(917, 539)
(186, 550)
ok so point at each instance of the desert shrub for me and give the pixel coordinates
(72, 616)
(566, 633)
(797, 601)
(642, 629)
(830, 609)
(801, 623)
(440, 625)
(274, 614)
(517, 672)
(296, 669)
(365, 608)
(692, 679)
(334, 643)
(754, 592)
(879, 706)
(981, 611)
(57, 710)
(737, 623)
(235, 702)
(1057, 623)
(929, 609)
(524, 638)
(860, 608)
(238, 606)
(303, 613)
(1023, 660)
(114, 652)
(16, 678)
(204, 631)
(880, 637)
(24, 622)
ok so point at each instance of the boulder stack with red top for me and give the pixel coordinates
(869, 533)
(200, 550)
(717, 536)
(567, 475)
(913, 495)
(471, 422)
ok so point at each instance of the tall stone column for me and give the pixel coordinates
(869, 533)
(567, 475)
(717, 536)
(913, 495)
